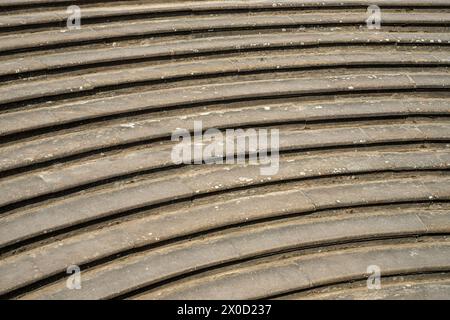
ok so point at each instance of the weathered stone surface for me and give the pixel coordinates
(86, 169)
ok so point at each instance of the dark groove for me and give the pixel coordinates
(57, 5)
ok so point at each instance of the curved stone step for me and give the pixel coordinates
(303, 272)
(171, 49)
(222, 92)
(58, 178)
(243, 4)
(86, 169)
(432, 287)
(27, 90)
(178, 259)
(45, 149)
(117, 30)
(58, 215)
(106, 242)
